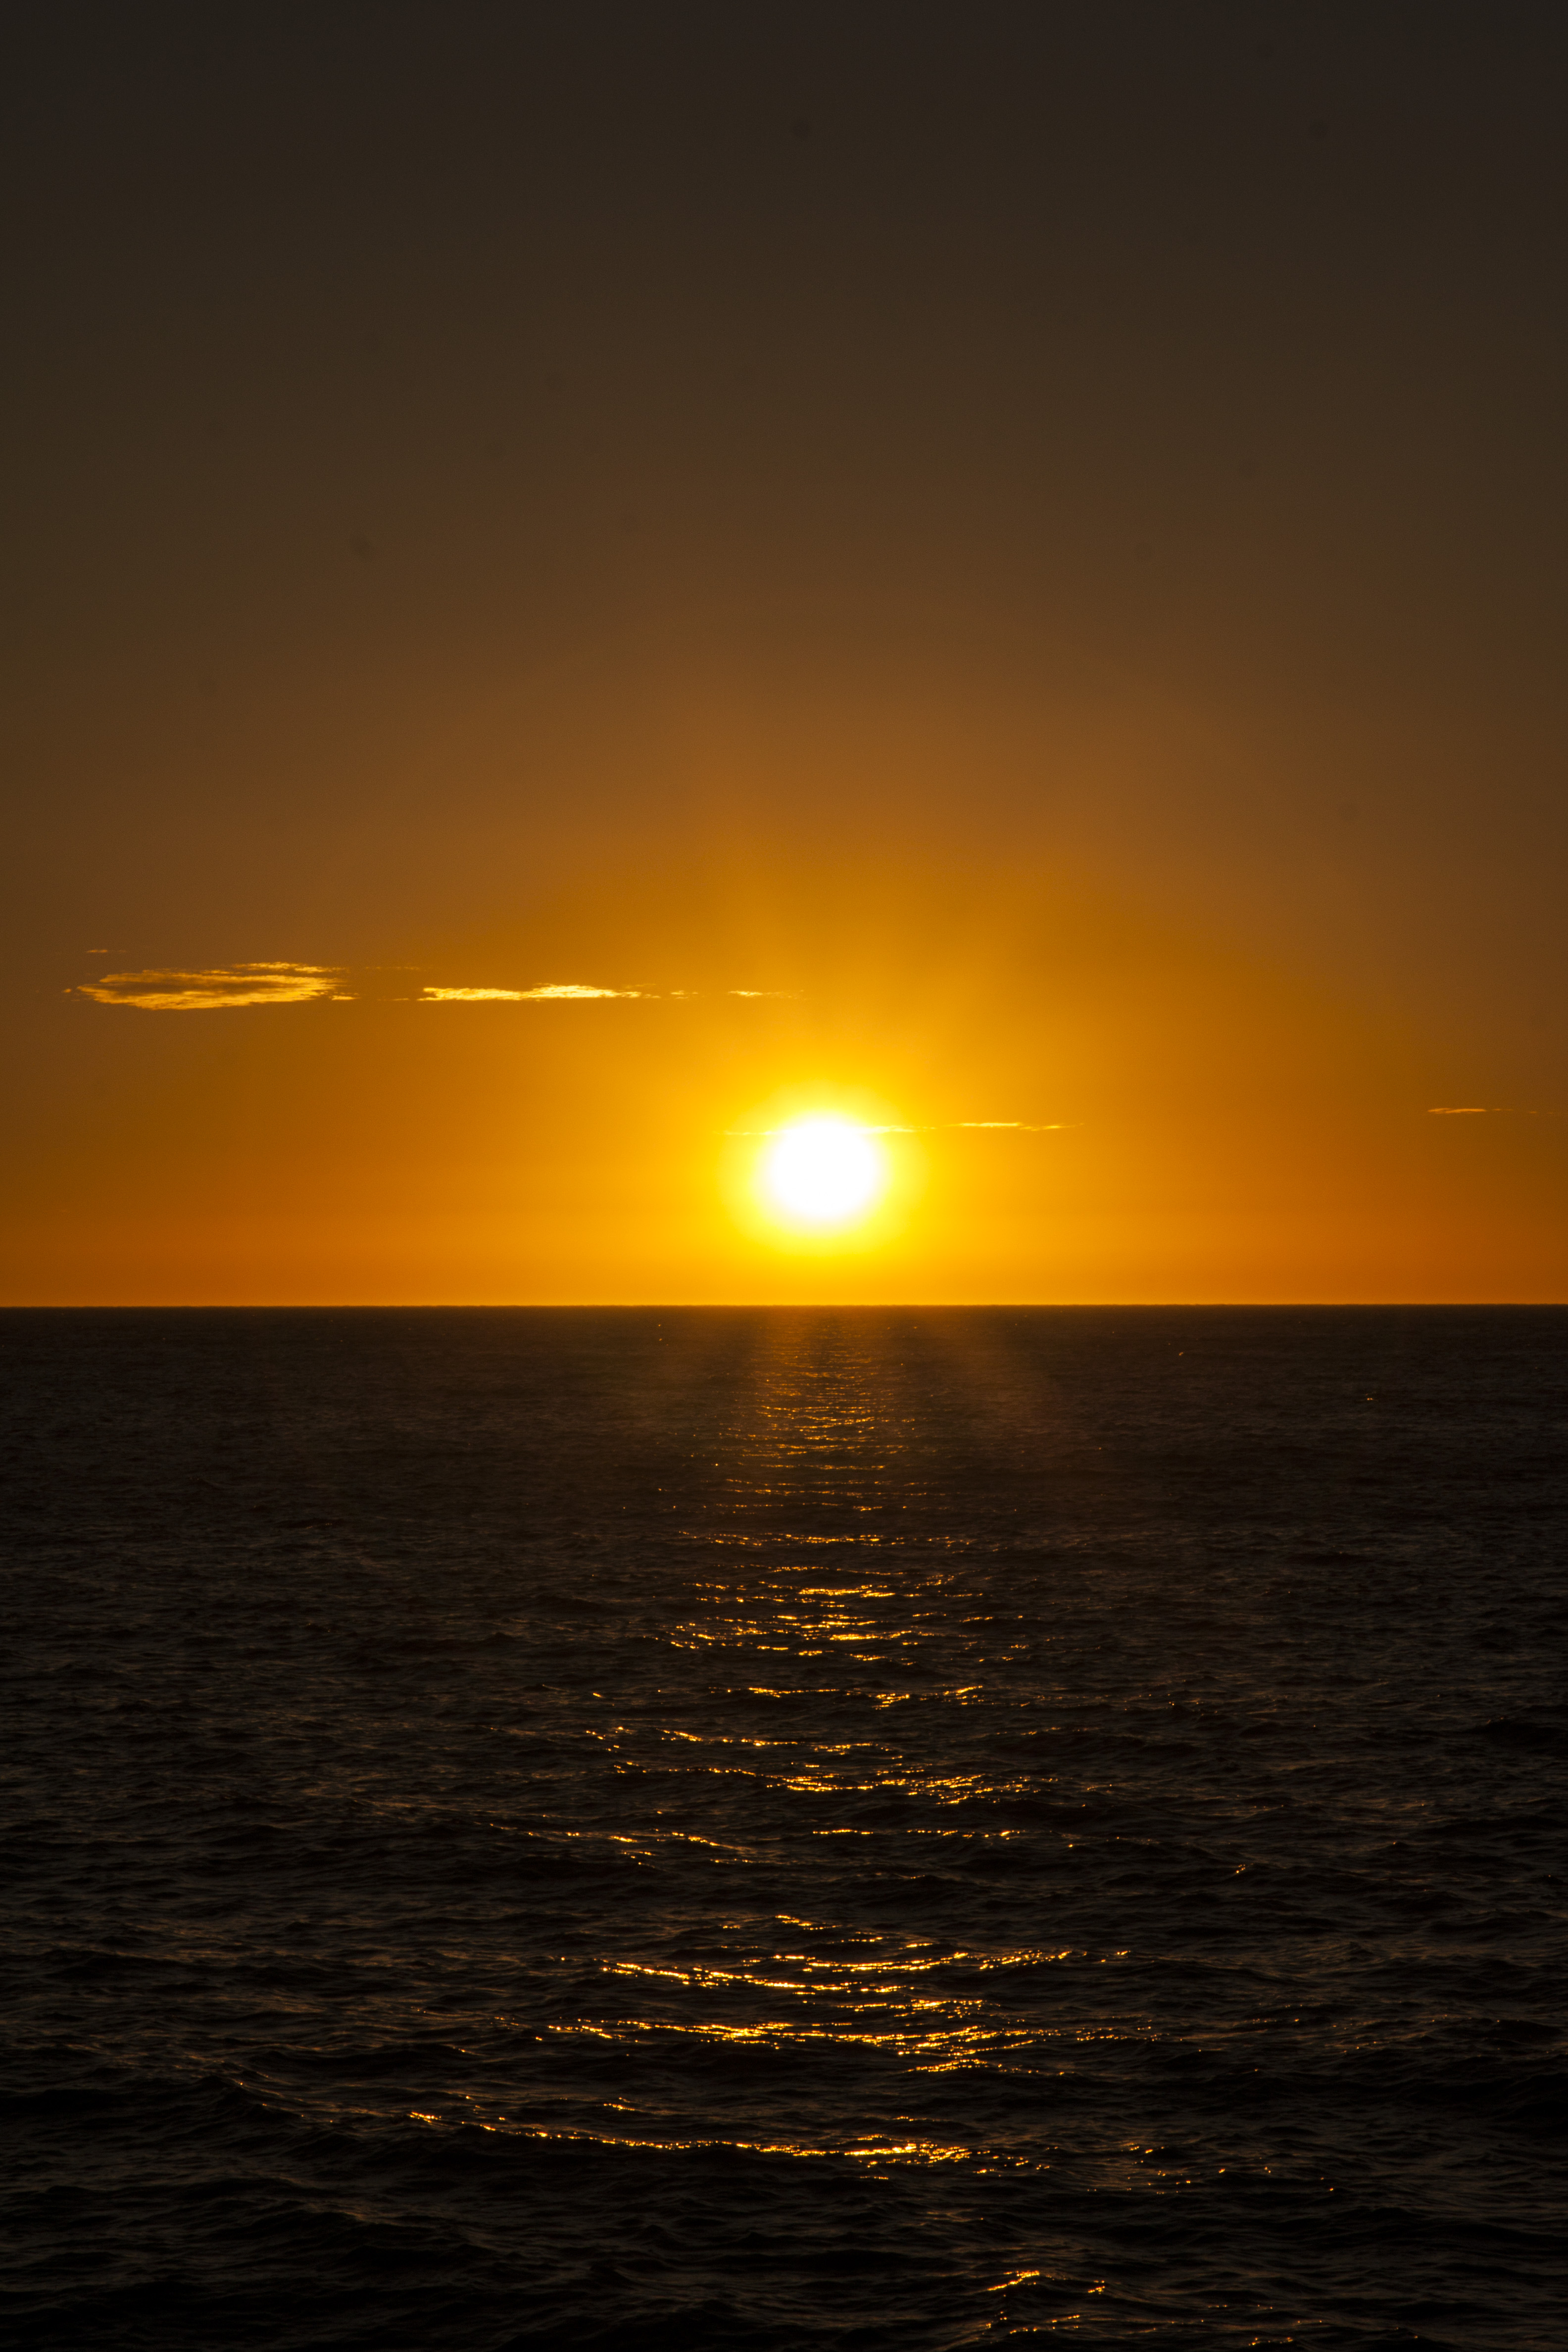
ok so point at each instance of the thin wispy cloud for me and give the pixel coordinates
(1473, 1110)
(221, 989)
(578, 992)
(554, 992)
(471, 996)
(221, 986)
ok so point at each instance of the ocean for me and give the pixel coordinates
(795, 1830)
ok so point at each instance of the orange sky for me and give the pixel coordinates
(1008, 583)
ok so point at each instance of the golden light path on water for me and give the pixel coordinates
(809, 1479)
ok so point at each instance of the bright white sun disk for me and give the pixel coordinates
(824, 1170)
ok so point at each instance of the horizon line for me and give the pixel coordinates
(758, 1306)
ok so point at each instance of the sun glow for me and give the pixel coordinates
(822, 1171)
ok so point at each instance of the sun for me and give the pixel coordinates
(822, 1171)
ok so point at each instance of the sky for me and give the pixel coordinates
(583, 584)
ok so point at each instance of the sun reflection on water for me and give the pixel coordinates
(816, 1695)
(822, 1616)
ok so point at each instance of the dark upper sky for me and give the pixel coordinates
(457, 449)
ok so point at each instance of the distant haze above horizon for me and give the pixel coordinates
(586, 583)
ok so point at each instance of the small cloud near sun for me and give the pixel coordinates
(471, 996)
(556, 992)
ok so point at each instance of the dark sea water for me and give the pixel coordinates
(885, 1828)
